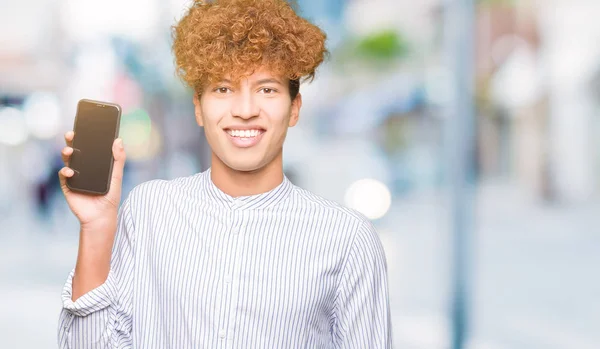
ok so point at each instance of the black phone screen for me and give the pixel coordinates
(96, 127)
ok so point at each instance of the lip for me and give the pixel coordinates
(244, 127)
(245, 142)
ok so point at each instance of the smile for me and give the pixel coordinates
(244, 133)
(245, 138)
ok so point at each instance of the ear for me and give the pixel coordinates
(198, 110)
(295, 113)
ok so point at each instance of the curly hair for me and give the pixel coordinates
(236, 37)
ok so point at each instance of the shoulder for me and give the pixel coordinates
(155, 191)
(316, 205)
(362, 243)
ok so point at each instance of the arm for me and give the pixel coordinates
(99, 316)
(362, 310)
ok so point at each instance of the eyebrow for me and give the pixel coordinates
(267, 81)
(259, 82)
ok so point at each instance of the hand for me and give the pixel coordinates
(94, 210)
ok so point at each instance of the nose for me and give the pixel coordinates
(245, 106)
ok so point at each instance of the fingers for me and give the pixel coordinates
(68, 150)
(69, 138)
(63, 174)
(66, 155)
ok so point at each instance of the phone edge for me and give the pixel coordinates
(119, 110)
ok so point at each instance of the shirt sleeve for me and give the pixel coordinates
(101, 318)
(362, 310)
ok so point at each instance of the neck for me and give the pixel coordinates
(245, 183)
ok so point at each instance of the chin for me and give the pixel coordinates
(244, 166)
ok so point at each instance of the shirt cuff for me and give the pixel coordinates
(95, 300)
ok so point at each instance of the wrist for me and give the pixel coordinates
(99, 227)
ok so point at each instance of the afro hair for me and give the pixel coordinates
(234, 38)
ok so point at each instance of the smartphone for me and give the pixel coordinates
(96, 127)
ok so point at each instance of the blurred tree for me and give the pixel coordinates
(378, 49)
(384, 45)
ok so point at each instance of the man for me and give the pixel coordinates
(235, 256)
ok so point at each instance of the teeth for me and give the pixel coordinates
(244, 133)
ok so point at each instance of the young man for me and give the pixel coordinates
(235, 256)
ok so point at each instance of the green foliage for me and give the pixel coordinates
(384, 45)
(379, 51)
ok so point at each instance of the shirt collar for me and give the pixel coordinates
(250, 202)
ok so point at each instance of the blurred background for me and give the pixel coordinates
(377, 131)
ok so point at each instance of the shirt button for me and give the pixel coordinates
(235, 230)
(222, 333)
(227, 279)
(68, 321)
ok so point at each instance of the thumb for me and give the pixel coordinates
(120, 157)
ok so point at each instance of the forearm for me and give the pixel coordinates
(94, 303)
(93, 259)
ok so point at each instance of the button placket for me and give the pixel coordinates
(230, 280)
(244, 220)
(226, 279)
(225, 331)
(238, 219)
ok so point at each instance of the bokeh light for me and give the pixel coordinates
(136, 127)
(42, 115)
(147, 149)
(141, 137)
(13, 130)
(370, 197)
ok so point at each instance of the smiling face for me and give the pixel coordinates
(246, 123)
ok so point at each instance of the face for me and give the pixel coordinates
(246, 123)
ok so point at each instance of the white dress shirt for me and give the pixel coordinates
(193, 267)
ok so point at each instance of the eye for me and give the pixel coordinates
(268, 90)
(221, 90)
